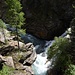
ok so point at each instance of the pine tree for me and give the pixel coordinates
(15, 16)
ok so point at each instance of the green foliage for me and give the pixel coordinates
(14, 15)
(6, 70)
(60, 49)
(2, 24)
(60, 45)
(70, 70)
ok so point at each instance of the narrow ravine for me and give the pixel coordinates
(41, 64)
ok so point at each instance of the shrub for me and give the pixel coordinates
(59, 51)
(70, 70)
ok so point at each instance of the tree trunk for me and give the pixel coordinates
(17, 37)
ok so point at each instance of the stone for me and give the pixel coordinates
(9, 61)
(19, 66)
(25, 55)
(18, 72)
(28, 70)
(31, 59)
(2, 60)
(15, 44)
(29, 47)
(4, 50)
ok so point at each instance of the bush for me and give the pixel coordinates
(70, 70)
(59, 51)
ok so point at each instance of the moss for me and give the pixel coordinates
(6, 70)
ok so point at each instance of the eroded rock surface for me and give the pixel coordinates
(19, 59)
(47, 18)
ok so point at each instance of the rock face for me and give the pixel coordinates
(47, 18)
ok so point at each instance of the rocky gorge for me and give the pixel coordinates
(45, 19)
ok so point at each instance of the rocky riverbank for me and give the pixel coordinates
(20, 60)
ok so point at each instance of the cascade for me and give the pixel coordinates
(41, 64)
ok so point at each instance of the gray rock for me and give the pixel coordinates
(31, 59)
(18, 72)
(29, 47)
(9, 61)
(19, 66)
(28, 70)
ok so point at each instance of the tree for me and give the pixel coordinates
(2, 26)
(15, 16)
(72, 37)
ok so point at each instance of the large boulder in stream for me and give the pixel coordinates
(47, 18)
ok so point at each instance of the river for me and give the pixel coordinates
(41, 64)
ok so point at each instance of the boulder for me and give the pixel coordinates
(2, 60)
(29, 47)
(19, 66)
(28, 70)
(31, 59)
(9, 61)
